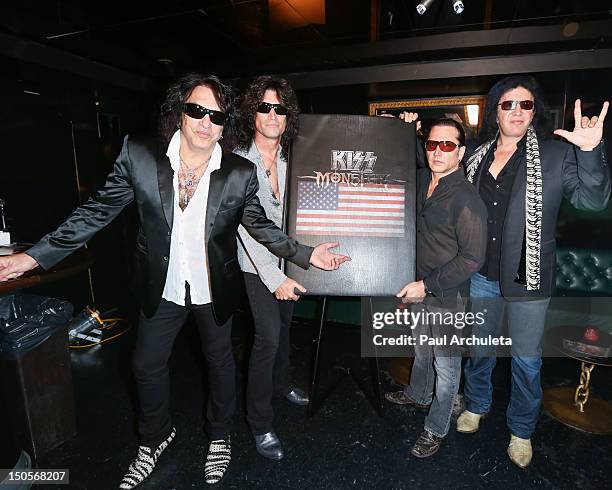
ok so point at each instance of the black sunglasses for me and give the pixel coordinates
(266, 107)
(445, 146)
(510, 105)
(196, 111)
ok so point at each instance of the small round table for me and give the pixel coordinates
(577, 407)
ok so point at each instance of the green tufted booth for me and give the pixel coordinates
(584, 272)
(584, 288)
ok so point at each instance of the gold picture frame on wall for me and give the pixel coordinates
(468, 109)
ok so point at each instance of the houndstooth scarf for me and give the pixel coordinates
(533, 205)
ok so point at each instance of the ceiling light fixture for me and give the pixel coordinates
(423, 5)
(458, 6)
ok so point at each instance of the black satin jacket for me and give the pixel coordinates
(142, 173)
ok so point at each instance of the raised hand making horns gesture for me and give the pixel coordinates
(587, 132)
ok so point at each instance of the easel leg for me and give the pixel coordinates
(375, 370)
(316, 341)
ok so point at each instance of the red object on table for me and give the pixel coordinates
(591, 334)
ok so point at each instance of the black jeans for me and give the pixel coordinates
(269, 362)
(150, 363)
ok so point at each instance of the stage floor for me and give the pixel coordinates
(345, 445)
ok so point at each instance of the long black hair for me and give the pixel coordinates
(250, 100)
(177, 94)
(540, 119)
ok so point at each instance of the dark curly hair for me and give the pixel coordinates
(177, 94)
(253, 96)
(540, 119)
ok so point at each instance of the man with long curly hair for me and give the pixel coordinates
(268, 123)
(190, 196)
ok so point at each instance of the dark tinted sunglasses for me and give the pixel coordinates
(196, 111)
(510, 105)
(266, 107)
(446, 146)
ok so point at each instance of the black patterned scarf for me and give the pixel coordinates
(529, 268)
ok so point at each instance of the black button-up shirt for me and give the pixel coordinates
(495, 192)
(451, 235)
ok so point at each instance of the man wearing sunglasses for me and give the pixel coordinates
(190, 197)
(451, 241)
(522, 179)
(268, 123)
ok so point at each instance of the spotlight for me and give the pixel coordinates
(423, 5)
(458, 6)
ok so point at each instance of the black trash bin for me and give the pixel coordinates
(36, 380)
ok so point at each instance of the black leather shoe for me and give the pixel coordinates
(427, 445)
(269, 446)
(297, 396)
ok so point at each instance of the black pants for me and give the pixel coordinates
(269, 361)
(150, 363)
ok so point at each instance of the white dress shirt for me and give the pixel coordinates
(188, 261)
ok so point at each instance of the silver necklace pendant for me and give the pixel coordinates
(190, 178)
(268, 172)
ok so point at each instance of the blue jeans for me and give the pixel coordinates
(436, 372)
(525, 328)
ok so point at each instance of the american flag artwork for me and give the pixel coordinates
(342, 209)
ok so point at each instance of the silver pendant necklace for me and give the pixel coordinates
(267, 170)
(190, 173)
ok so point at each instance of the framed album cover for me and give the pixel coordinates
(351, 179)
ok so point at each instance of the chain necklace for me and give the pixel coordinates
(188, 182)
(267, 170)
(190, 173)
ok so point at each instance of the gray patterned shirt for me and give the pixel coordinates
(254, 257)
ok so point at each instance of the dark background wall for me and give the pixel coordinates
(60, 135)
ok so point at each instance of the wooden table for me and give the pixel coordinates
(577, 407)
(73, 264)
